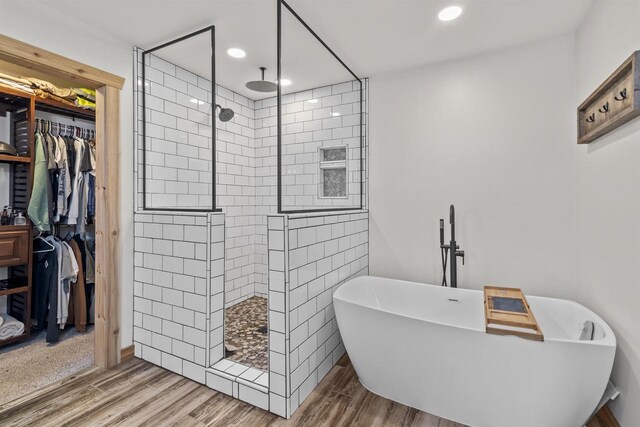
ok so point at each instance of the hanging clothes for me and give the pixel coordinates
(68, 275)
(78, 311)
(45, 288)
(64, 180)
(88, 261)
(78, 184)
(38, 209)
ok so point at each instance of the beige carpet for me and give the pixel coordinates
(31, 365)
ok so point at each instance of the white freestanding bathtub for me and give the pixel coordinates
(426, 347)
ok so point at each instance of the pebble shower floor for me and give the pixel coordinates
(246, 332)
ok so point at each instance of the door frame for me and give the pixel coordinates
(107, 222)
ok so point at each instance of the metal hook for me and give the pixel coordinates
(591, 118)
(623, 95)
(604, 108)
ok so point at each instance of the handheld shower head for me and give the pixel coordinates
(225, 114)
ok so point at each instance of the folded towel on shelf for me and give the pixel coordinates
(83, 103)
(1, 320)
(16, 86)
(42, 94)
(84, 93)
(17, 80)
(46, 86)
(11, 327)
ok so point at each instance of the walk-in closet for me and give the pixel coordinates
(47, 232)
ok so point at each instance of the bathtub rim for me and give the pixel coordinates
(609, 340)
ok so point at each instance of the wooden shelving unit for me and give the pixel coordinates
(16, 240)
(51, 106)
(12, 291)
(5, 158)
(24, 106)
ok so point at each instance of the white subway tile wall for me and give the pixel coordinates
(242, 382)
(179, 159)
(178, 128)
(309, 258)
(332, 119)
(278, 331)
(174, 278)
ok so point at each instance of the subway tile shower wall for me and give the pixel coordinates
(178, 128)
(178, 266)
(190, 266)
(309, 258)
(178, 157)
(327, 116)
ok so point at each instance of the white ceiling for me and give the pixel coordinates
(370, 36)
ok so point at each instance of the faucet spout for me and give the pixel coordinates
(452, 249)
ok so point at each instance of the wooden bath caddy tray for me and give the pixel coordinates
(507, 312)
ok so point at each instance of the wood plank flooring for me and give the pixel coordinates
(138, 393)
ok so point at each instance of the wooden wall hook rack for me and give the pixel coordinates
(617, 101)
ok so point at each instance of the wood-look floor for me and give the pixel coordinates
(138, 393)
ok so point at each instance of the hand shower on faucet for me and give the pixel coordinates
(450, 251)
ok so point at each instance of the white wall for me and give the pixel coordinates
(47, 28)
(609, 200)
(494, 135)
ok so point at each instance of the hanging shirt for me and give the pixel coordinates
(78, 183)
(71, 156)
(38, 209)
(45, 288)
(69, 275)
(58, 251)
(91, 203)
(51, 151)
(64, 180)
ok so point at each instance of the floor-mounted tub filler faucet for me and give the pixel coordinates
(450, 250)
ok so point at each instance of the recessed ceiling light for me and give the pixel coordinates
(197, 101)
(286, 82)
(313, 101)
(237, 52)
(335, 114)
(450, 13)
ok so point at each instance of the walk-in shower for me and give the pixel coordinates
(251, 206)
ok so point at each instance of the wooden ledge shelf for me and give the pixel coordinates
(52, 106)
(11, 340)
(15, 227)
(6, 158)
(11, 291)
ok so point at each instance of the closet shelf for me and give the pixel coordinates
(11, 340)
(15, 227)
(6, 158)
(10, 291)
(51, 106)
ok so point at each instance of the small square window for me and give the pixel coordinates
(333, 173)
(334, 182)
(333, 154)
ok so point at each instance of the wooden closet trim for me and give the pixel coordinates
(29, 56)
(107, 222)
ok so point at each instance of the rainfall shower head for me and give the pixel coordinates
(262, 85)
(225, 114)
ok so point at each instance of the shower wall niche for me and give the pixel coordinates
(268, 206)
